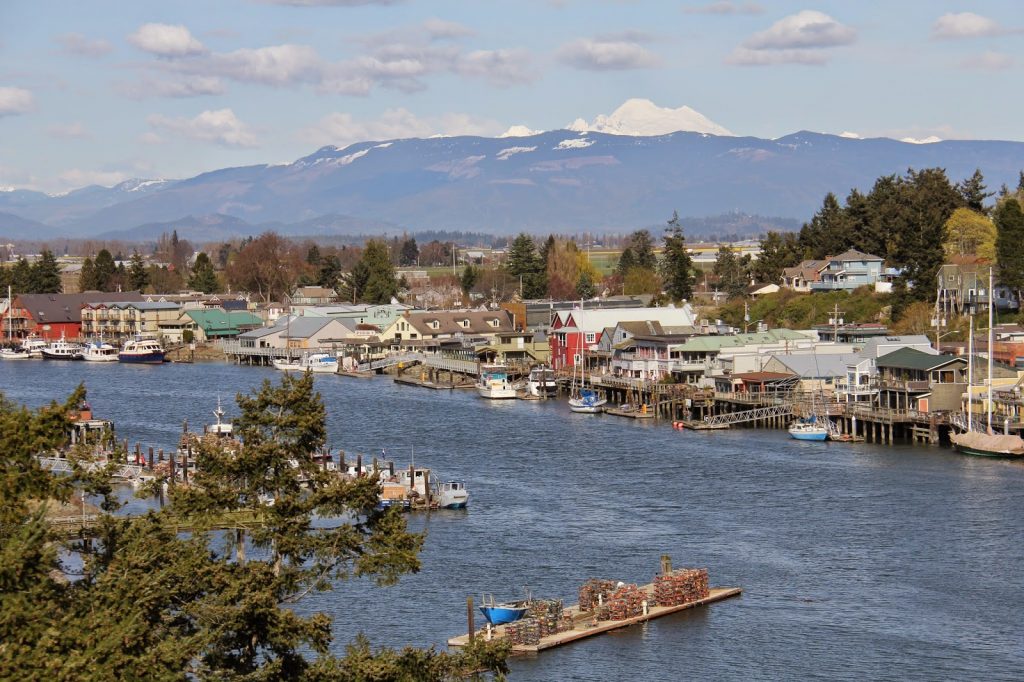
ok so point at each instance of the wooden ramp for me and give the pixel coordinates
(584, 624)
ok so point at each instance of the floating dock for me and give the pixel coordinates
(631, 412)
(585, 625)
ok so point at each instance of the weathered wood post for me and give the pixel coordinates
(469, 617)
(150, 460)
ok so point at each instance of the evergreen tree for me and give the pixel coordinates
(731, 273)
(470, 276)
(313, 256)
(828, 233)
(777, 253)
(627, 261)
(410, 252)
(138, 274)
(381, 285)
(677, 265)
(330, 272)
(87, 277)
(973, 192)
(643, 250)
(919, 249)
(45, 274)
(203, 277)
(524, 263)
(21, 277)
(1009, 220)
(1020, 182)
(106, 270)
(585, 285)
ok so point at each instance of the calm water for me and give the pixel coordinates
(857, 561)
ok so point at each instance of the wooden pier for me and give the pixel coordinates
(631, 412)
(585, 625)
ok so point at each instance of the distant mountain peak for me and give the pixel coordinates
(519, 131)
(642, 117)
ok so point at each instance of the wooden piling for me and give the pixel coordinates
(469, 617)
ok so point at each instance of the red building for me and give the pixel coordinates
(571, 330)
(51, 316)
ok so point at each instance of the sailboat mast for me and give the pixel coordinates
(10, 312)
(970, 372)
(991, 335)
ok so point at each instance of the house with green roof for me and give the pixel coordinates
(210, 324)
(910, 379)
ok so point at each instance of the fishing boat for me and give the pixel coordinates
(808, 430)
(14, 353)
(451, 494)
(34, 345)
(142, 351)
(99, 351)
(584, 400)
(541, 382)
(503, 613)
(319, 363)
(494, 383)
(62, 350)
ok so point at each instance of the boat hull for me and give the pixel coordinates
(15, 355)
(153, 358)
(492, 393)
(500, 615)
(47, 355)
(809, 435)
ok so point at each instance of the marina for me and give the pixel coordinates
(804, 528)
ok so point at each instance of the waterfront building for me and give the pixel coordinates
(572, 330)
(962, 285)
(209, 324)
(427, 329)
(117, 320)
(381, 316)
(822, 373)
(312, 296)
(910, 379)
(54, 315)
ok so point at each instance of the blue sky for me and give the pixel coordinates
(102, 91)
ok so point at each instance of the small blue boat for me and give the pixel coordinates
(809, 429)
(500, 614)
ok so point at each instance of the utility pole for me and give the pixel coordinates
(835, 321)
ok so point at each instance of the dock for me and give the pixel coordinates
(631, 412)
(585, 623)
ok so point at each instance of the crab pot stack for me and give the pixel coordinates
(626, 602)
(681, 587)
(525, 631)
(590, 590)
(549, 616)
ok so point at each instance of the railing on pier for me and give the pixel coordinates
(959, 421)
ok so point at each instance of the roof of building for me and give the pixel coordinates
(808, 269)
(438, 322)
(138, 305)
(66, 308)
(761, 377)
(713, 343)
(641, 327)
(596, 319)
(911, 358)
(219, 322)
(880, 345)
(855, 255)
(818, 365)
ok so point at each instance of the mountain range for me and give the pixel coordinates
(617, 174)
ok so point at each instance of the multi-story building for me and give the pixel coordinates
(124, 319)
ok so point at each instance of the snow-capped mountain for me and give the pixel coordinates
(557, 181)
(642, 117)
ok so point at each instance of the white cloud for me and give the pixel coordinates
(16, 101)
(439, 29)
(184, 85)
(342, 129)
(150, 138)
(806, 29)
(965, 25)
(500, 68)
(850, 136)
(988, 61)
(75, 130)
(166, 40)
(600, 55)
(220, 126)
(723, 7)
(274, 65)
(801, 38)
(78, 44)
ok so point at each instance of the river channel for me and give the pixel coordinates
(857, 561)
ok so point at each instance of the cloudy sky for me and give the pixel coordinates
(102, 90)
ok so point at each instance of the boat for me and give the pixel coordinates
(99, 351)
(584, 400)
(34, 345)
(14, 353)
(451, 494)
(541, 382)
(808, 430)
(62, 350)
(319, 363)
(503, 613)
(142, 351)
(494, 383)
(988, 444)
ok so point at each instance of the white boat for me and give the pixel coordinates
(62, 350)
(584, 400)
(541, 382)
(318, 363)
(99, 351)
(142, 351)
(494, 384)
(808, 430)
(451, 494)
(34, 345)
(15, 353)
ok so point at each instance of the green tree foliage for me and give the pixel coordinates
(778, 251)
(470, 276)
(138, 274)
(969, 233)
(627, 261)
(1009, 221)
(329, 272)
(585, 285)
(732, 273)
(148, 603)
(524, 263)
(641, 281)
(106, 270)
(677, 265)
(796, 310)
(972, 190)
(203, 277)
(21, 277)
(410, 253)
(828, 232)
(380, 284)
(45, 275)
